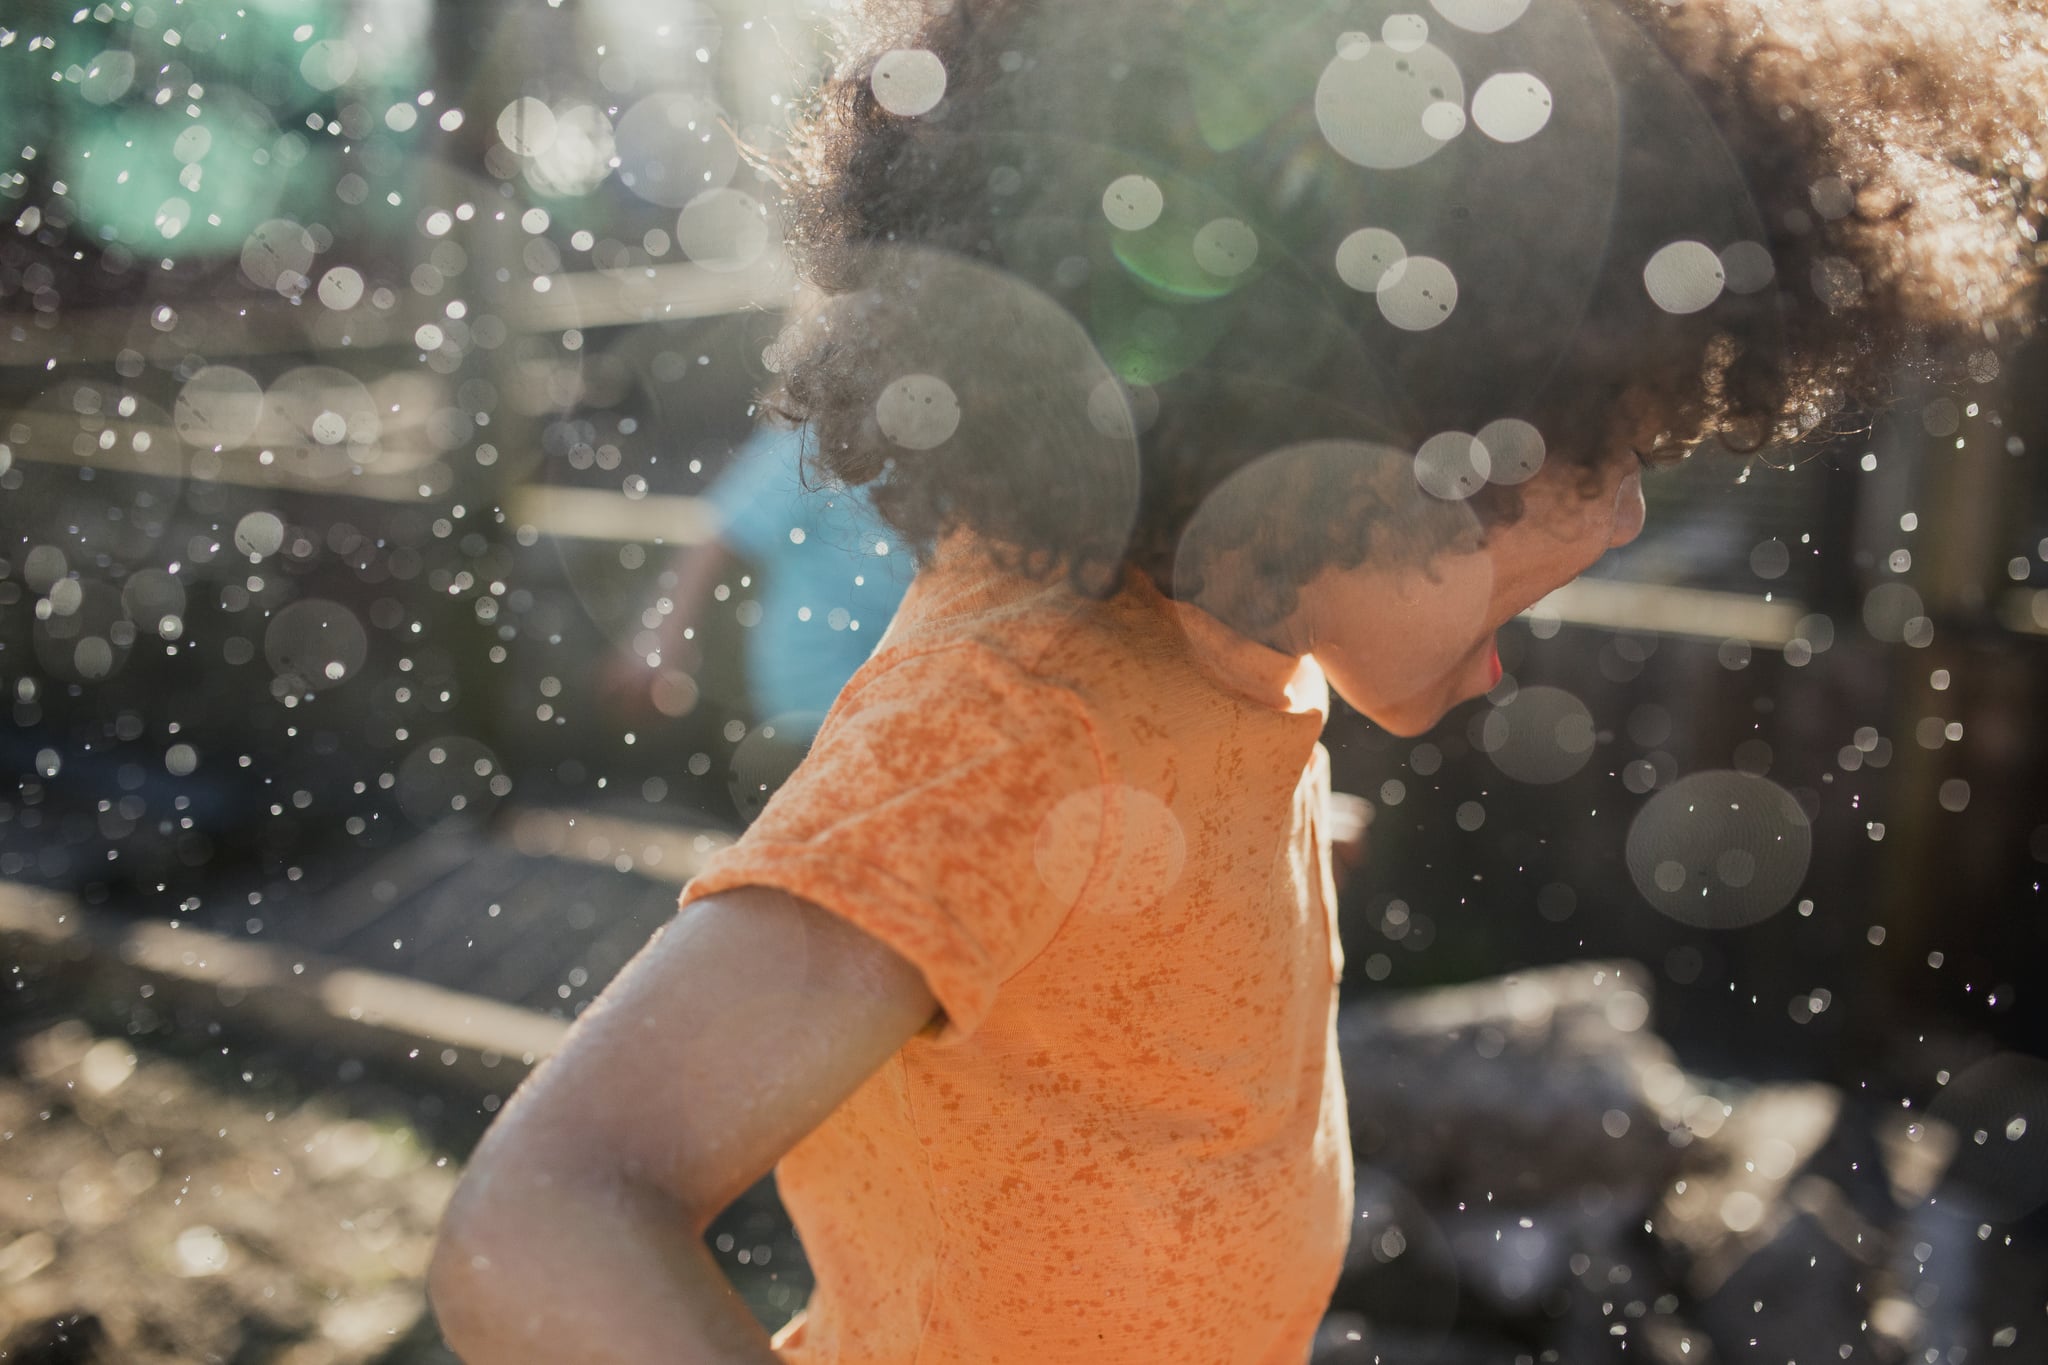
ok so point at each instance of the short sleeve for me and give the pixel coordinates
(922, 813)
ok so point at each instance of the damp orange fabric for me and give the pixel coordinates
(1097, 829)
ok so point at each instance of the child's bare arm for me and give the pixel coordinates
(576, 1235)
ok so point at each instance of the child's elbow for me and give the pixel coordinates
(464, 1282)
(458, 1307)
(488, 1254)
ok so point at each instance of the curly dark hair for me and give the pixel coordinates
(1741, 216)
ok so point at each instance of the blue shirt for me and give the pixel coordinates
(826, 576)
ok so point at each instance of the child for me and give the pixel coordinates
(823, 587)
(1215, 355)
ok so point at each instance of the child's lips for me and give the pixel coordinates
(1484, 672)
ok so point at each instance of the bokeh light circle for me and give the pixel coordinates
(1451, 465)
(84, 634)
(1512, 106)
(278, 254)
(1133, 203)
(151, 596)
(1138, 833)
(219, 406)
(1419, 294)
(1111, 411)
(1890, 610)
(327, 421)
(1226, 247)
(259, 534)
(908, 81)
(1371, 100)
(1444, 120)
(723, 230)
(1481, 16)
(329, 63)
(1542, 736)
(1367, 257)
(1720, 849)
(341, 288)
(578, 157)
(1748, 267)
(1515, 450)
(315, 644)
(672, 147)
(1405, 32)
(918, 412)
(526, 126)
(1685, 277)
(108, 76)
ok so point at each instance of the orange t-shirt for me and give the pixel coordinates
(1098, 830)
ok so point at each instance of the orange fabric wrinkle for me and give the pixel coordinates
(1097, 829)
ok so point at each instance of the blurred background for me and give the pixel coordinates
(385, 620)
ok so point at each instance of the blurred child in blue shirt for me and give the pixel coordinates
(826, 579)
(821, 582)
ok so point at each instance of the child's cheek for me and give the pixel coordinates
(1394, 641)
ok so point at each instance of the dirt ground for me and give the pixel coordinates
(211, 1199)
(202, 1212)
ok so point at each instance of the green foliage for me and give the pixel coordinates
(178, 126)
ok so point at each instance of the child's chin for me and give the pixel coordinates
(1410, 716)
(1404, 720)
(1411, 727)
